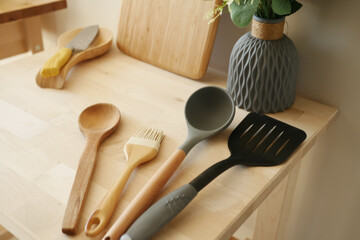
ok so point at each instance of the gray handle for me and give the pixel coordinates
(160, 213)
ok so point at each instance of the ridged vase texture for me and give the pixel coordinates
(262, 73)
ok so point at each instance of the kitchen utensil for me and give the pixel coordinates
(142, 147)
(208, 111)
(100, 45)
(96, 123)
(80, 42)
(183, 45)
(257, 141)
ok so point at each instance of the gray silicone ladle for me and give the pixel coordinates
(208, 111)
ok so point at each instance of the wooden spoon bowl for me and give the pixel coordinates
(101, 117)
(100, 45)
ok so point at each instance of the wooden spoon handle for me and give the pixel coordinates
(146, 196)
(80, 187)
(101, 215)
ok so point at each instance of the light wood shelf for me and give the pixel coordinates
(40, 145)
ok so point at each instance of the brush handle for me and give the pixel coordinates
(80, 186)
(160, 213)
(100, 217)
(146, 196)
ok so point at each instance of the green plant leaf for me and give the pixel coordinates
(241, 14)
(281, 7)
(295, 6)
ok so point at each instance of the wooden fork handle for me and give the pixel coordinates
(146, 196)
(80, 187)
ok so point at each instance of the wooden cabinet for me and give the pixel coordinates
(20, 27)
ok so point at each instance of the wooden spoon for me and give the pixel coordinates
(99, 46)
(96, 123)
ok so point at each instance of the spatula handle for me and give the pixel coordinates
(101, 215)
(213, 172)
(146, 196)
(80, 187)
(160, 213)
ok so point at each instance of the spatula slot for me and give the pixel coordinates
(273, 143)
(255, 134)
(282, 147)
(260, 140)
(259, 137)
(246, 130)
(250, 133)
(279, 145)
(267, 140)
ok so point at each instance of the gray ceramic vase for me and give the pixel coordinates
(262, 73)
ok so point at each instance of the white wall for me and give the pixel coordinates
(327, 36)
(80, 13)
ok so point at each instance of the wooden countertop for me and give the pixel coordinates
(40, 145)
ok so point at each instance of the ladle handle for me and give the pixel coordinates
(101, 215)
(80, 187)
(146, 196)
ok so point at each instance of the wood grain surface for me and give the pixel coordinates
(170, 34)
(11, 10)
(40, 146)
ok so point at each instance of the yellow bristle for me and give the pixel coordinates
(150, 134)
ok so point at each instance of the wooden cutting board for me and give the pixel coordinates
(170, 34)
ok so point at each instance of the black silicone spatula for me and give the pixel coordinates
(258, 140)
